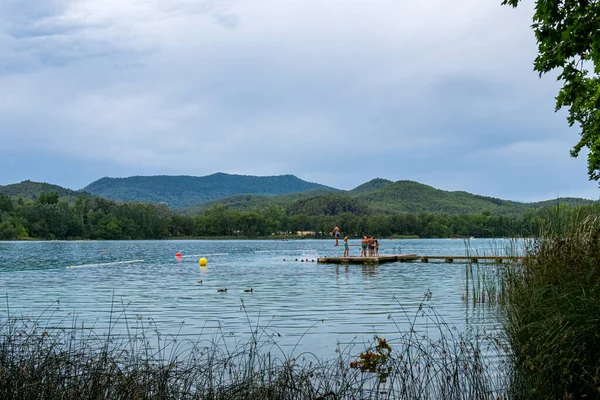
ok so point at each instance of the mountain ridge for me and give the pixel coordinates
(28, 189)
(180, 191)
(192, 194)
(386, 197)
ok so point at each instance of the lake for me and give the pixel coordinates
(304, 306)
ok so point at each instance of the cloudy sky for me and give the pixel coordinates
(333, 91)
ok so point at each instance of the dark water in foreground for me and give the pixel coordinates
(307, 306)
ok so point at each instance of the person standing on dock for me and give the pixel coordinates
(371, 245)
(363, 246)
(336, 233)
(346, 248)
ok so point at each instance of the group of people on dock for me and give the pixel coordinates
(369, 246)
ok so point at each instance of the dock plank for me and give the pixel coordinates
(386, 258)
(368, 260)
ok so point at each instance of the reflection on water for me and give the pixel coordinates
(309, 305)
(369, 270)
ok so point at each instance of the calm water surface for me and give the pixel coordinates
(312, 306)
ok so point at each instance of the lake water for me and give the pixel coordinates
(306, 306)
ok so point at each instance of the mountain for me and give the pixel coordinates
(330, 204)
(409, 196)
(383, 196)
(32, 190)
(185, 191)
(571, 201)
(372, 185)
(249, 202)
(244, 193)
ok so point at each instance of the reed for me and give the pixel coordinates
(485, 282)
(427, 360)
(552, 313)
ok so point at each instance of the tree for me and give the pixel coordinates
(6, 204)
(273, 216)
(568, 39)
(12, 229)
(48, 198)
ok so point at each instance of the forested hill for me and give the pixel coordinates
(409, 196)
(185, 191)
(32, 190)
(192, 195)
(372, 185)
(249, 202)
(386, 197)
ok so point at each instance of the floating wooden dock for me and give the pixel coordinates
(368, 260)
(415, 257)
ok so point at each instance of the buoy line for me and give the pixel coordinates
(141, 260)
(105, 264)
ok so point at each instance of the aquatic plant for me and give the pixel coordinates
(484, 281)
(40, 358)
(552, 310)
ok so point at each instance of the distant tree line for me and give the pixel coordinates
(53, 217)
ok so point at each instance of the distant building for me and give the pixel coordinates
(305, 233)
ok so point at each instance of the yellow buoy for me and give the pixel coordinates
(202, 261)
(72, 267)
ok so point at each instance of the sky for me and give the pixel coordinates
(336, 92)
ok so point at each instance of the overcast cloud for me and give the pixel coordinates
(336, 92)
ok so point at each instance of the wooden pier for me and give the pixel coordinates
(368, 260)
(415, 257)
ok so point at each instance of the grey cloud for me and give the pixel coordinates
(316, 89)
(18, 12)
(228, 21)
(38, 31)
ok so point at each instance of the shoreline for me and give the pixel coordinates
(240, 237)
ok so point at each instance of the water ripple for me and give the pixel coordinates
(304, 304)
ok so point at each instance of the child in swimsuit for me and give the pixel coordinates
(346, 249)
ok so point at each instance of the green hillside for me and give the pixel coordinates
(185, 191)
(192, 195)
(378, 196)
(32, 190)
(386, 197)
(571, 201)
(248, 202)
(409, 196)
(372, 185)
(330, 204)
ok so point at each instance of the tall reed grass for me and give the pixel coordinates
(553, 310)
(485, 281)
(40, 359)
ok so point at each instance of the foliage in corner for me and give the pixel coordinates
(568, 38)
